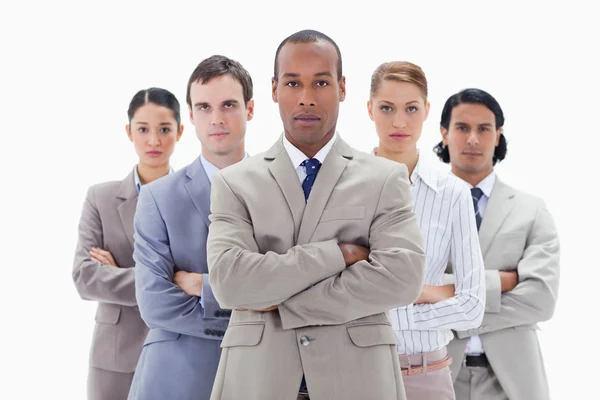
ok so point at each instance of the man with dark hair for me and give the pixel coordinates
(311, 243)
(501, 359)
(181, 353)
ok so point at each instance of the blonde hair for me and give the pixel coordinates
(399, 71)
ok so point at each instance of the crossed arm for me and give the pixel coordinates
(311, 284)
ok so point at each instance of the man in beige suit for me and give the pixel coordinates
(501, 359)
(312, 270)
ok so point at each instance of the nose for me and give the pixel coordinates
(154, 139)
(217, 118)
(307, 98)
(472, 140)
(399, 122)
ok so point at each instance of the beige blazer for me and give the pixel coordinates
(517, 232)
(107, 222)
(267, 246)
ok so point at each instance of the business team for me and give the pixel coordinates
(314, 270)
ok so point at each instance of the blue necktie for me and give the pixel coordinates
(312, 166)
(476, 194)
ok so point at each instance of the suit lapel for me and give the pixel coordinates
(198, 187)
(284, 173)
(500, 204)
(327, 178)
(127, 192)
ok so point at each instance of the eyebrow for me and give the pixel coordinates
(296, 75)
(145, 123)
(204, 103)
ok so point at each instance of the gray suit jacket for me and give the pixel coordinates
(267, 246)
(107, 222)
(517, 232)
(181, 353)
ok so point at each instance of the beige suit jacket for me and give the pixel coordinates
(107, 222)
(517, 233)
(267, 246)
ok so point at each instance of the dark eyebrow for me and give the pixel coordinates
(461, 123)
(324, 74)
(141, 123)
(166, 123)
(200, 104)
(290, 75)
(487, 124)
(231, 101)
(413, 101)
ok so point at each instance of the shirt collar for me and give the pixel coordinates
(210, 168)
(423, 170)
(138, 181)
(298, 157)
(486, 185)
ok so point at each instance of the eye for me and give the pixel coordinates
(203, 107)
(165, 130)
(484, 129)
(292, 84)
(385, 108)
(142, 129)
(463, 128)
(228, 105)
(322, 83)
(412, 109)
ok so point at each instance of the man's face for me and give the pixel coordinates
(471, 138)
(219, 114)
(308, 91)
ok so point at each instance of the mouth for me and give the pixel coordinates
(307, 119)
(471, 153)
(399, 136)
(154, 153)
(218, 134)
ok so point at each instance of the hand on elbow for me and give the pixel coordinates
(353, 253)
(189, 282)
(508, 280)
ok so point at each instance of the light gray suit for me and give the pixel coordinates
(181, 353)
(267, 246)
(107, 222)
(517, 232)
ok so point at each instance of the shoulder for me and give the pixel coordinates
(167, 183)
(103, 191)
(246, 170)
(524, 200)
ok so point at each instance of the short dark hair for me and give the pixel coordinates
(307, 36)
(472, 96)
(218, 65)
(158, 96)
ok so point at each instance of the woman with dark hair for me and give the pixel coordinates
(102, 269)
(442, 203)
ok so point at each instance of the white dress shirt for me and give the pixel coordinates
(474, 345)
(138, 181)
(298, 157)
(444, 209)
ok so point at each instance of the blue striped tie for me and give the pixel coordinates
(312, 166)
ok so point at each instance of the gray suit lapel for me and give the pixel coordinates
(327, 178)
(500, 204)
(129, 195)
(198, 187)
(284, 173)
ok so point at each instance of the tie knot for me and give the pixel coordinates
(312, 166)
(476, 193)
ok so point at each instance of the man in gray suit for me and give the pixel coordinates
(310, 300)
(181, 352)
(501, 359)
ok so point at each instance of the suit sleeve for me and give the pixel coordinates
(534, 298)
(392, 277)
(242, 277)
(94, 280)
(465, 310)
(161, 302)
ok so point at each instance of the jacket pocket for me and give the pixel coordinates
(108, 313)
(248, 334)
(160, 335)
(347, 212)
(371, 334)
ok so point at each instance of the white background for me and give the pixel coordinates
(68, 72)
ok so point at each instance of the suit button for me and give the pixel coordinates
(220, 333)
(304, 341)
(218, 313)
(207, 331)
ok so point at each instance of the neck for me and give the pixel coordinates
(409, 157)
(148, 173)
(224, 160)
(472, 178)
(311, 149)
